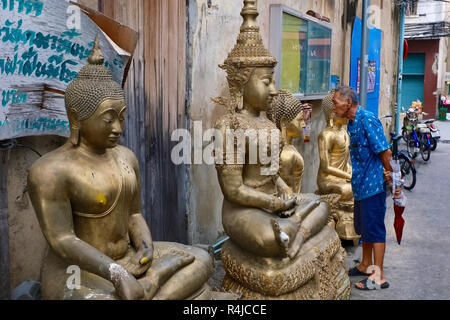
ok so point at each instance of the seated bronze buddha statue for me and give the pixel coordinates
(276, 235)
(335, 170)
(288, 113)
(87, 198)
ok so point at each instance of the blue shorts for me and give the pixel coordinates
(369, 218)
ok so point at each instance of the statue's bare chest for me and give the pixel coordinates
(341, 141)
(98, 186)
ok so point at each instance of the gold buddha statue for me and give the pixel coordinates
(335, 171)
(87, 198)
(288, 113)
(277, 237)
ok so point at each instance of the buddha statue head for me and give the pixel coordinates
(95, 104)
(250, 66)
(289, 114)
(330, 115)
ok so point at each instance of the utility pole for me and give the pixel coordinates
(364, 60)
(400, 67)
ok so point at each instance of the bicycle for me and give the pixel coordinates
(406, 162)
(407, 167)
(416, 134)
(418, 143)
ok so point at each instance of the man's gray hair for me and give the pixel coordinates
(348, 92)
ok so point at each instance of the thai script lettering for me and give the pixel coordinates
(62, 44)
(4, 123)
(28, 64)
(13, 96)
(20, 5)
(39, 124)
(44, 124)
(116, 65)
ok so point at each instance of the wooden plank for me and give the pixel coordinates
(153, 103)
(181, 86)
(109, 8)
(182, 171)
(5, 286)
(164, 78)
(142, 104)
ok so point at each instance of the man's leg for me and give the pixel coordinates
(376, 269)
(376, 210)
(366, 257)
(378, 254)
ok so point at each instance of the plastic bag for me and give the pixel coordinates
(397, 182)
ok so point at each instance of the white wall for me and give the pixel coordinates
(428, 11)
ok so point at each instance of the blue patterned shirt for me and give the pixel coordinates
(367, 140)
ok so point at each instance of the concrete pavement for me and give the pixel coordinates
(419, 268)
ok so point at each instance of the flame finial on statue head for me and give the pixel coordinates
(249, 13)
(96, 56)
(249, 50)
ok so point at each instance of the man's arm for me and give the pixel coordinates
(386, 157)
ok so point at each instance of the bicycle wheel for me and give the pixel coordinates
(411, 147)
(408, 172)
(405, 134)
(425, 151)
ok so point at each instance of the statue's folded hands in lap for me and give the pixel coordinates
(87, 198)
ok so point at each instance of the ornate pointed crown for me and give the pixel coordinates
(248, 53)
(249, 50)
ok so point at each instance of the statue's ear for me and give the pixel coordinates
(74, 127)
(283, 123)
(284, 127)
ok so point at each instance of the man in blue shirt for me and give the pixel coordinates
(370, 156)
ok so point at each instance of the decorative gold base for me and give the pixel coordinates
(318, 272)
(342, 215)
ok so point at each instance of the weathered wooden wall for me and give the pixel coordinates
(4, 230)
(155, 93)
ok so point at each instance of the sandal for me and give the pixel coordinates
(354, 272)
(373, 285)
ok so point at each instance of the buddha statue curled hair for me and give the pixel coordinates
(327, 105)
(93, 85)
(284, 106)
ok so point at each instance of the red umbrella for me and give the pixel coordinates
(399, 222)
(399, 199)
